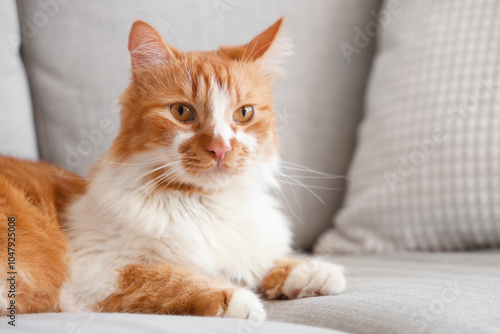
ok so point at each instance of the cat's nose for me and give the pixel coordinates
(219, 151)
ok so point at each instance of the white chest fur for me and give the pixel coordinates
(236, 234)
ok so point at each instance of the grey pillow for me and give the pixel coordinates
(426, 173)
(17, 130)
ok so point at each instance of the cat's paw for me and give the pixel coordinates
(245, 304)
(314, 278)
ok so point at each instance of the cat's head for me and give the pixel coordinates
(201, 119)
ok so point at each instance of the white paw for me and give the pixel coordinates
(246, 305)
(314, 278)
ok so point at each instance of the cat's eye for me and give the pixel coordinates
(244, 114)
(182, 112)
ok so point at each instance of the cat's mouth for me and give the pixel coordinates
(215, 178)
(217, 170)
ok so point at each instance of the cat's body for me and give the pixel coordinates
(222, 235)
(34, 245)
(178, 217)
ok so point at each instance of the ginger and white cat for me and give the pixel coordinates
(178, 217)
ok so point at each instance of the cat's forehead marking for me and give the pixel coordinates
(220, 102)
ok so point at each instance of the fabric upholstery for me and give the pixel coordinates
(78, 66)
(105, 323)
(426, 173)
(17, 130)
(431, 293)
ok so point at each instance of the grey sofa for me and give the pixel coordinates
(64, 64)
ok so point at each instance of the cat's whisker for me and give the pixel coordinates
(312, 177)
(171, 175)
(107, 178)
(283, 199)
(297, 182)
(279, 193)
(156, 169)
(165, 179)
(294, 194)
(128, 164)
(178, 186)
(310, 186)
(294, 180)
(119, 201)
(134, 178)
(158, 179)
(162, 183)
(138, 176)
(296, 167)
(170, 180)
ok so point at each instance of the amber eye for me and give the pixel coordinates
(243, 114)
(182, 112)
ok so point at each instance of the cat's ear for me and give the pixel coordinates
(146, 46)
(263, 43)
(269, 48)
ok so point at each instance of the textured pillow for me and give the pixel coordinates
(17, 131)
(78, 64)
(426, 172)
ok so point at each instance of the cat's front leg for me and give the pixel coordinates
(172, 289)
(295, 277)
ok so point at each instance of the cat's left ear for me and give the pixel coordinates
(263, 43)
(269, 47)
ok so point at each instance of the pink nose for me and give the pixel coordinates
(219, 152)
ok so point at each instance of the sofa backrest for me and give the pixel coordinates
(17, 130)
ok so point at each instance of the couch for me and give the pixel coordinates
(64, 64)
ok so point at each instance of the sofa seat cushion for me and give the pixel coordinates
(97, 323)
(407, 293)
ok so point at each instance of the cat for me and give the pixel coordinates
(178, 216)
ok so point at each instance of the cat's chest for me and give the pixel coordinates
(236, 236)
(233, 237)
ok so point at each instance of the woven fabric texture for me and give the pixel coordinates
(426, 173)
(412, 293)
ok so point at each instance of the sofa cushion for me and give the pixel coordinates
(426, 173)
(17, 130)
(97, 323)
(78, 65)
(407, 293)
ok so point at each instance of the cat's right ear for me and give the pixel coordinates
(146, 46)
